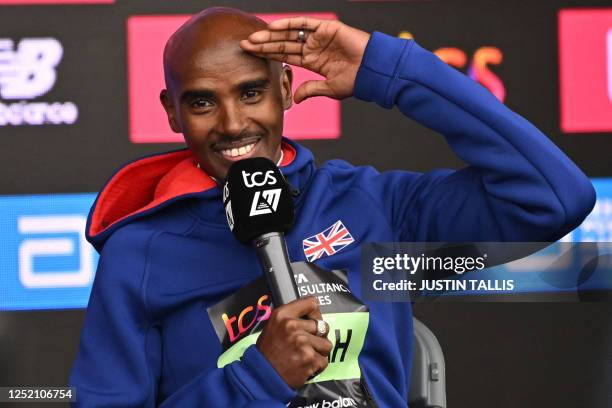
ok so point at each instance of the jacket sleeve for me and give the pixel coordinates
(518, 186)
(119, 358)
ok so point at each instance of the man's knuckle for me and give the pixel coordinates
(308, 354)
(278, 314)
(300, 341)
(312, 300)
(285, 326)
(290, 325)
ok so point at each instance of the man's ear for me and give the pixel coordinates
(166, 101)
(286, 81)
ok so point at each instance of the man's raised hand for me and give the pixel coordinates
(330, 48)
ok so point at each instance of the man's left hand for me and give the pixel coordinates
(329, 48)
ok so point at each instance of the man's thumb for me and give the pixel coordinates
(311, 88)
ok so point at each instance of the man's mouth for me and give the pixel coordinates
(239, 150)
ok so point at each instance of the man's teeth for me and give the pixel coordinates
(235, 152)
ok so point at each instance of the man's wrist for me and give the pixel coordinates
(265, 380)
(379, 67)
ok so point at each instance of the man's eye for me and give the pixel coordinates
(250, 94)
(201, 103)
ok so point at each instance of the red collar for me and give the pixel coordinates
(147, 183)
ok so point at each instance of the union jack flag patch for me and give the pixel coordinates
(327, 242)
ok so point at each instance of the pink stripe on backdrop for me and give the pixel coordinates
(35, 2)
(585, 75)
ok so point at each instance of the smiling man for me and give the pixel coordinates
(228, 104)
(168, 258)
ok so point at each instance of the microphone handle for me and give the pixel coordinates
(272, 252)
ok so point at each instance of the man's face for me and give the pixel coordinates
(229, 105)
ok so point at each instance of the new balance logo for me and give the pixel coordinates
(265, 202)
(27, 71)
(340, 402)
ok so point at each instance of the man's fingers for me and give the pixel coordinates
(299, 308)
(321, 345)
(270, 36)
(320, 364)
(311, 88)
(295, 23)
(292, 59)
(307, 325)
(278, 47)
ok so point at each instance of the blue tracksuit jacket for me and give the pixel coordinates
(167, 253)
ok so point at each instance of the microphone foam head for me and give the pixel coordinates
(257, 199)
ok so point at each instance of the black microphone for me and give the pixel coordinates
(259, 209)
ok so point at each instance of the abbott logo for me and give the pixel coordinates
(32, 249)
(265, 202)
(28, 71)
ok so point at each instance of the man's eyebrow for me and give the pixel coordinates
(256, 83)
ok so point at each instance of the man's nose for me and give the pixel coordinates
(232, 120)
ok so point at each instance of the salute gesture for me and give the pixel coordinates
(328, 47)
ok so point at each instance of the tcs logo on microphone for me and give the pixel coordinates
(258, 179)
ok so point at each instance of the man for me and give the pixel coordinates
(167, 253)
